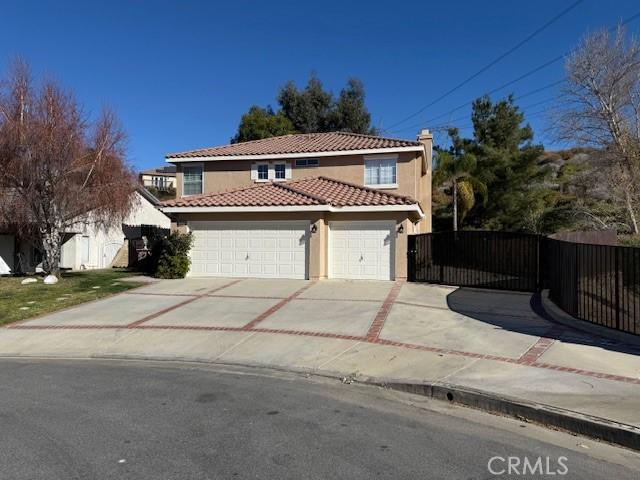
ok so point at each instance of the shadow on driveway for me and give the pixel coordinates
(524, 313)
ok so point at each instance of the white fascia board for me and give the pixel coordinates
(340, 153)
(381, 208)
(292, 208)
(302, 208)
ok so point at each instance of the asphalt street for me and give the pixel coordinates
(143, 420)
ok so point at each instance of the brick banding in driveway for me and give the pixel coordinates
(162, 294)
(531, 358)
(376, 326)
(276, 307)
(181, 304)
(379, 341)
(542, 345)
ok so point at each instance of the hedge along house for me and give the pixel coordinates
(326, 205)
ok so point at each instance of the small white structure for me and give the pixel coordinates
(7, 254)
(92, 247)
(87, 246)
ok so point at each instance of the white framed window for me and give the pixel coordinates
(275, 171)
(307, 162)
(380, 172)
(192, 180)
(279, 171)
(263, 171)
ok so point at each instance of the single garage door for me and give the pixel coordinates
(249, 249)
(363, 250)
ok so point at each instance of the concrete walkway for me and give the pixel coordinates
(490, 341)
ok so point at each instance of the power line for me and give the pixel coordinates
(511, 82)
(459, 107)
(492, 63)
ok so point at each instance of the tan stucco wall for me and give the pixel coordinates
(318, 242)
(413, 179)
(229, 174)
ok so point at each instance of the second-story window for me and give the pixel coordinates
(280, 171)
(192, 180)
(263, 171)
(380, 172)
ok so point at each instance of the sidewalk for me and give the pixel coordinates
(415, 334)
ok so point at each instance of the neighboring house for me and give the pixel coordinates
(163, 179)
(86, 246)
(325, 205)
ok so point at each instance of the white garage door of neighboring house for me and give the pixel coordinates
(363, 250)
(249, 249)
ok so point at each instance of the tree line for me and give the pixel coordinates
(500, 179)
(309, 110)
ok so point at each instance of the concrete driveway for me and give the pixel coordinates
(479, 339)
(500, 324)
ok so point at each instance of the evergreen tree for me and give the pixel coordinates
(350, 112)
(310, 110)
(508, 164)
(260, 123)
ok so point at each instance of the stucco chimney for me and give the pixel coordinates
(425, 137)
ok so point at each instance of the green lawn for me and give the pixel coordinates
(18, 302)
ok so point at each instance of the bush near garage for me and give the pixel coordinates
(173, 257)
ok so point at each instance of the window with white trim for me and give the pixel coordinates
(192, 180)
(280, 171)
(380, 172)
(263, 171)
(307, 162)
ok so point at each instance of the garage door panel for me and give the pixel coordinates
(267, 249)
(362, 250)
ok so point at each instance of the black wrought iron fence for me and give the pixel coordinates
(596, 283)
(498, 260)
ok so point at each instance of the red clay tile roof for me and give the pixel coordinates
(300, 143)
(307, 191)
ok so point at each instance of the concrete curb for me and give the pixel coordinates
(553, 313)
(546, 415)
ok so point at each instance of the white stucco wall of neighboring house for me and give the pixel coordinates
(7, 251)
(94, 247)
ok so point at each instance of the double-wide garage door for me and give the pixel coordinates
(249, 249)
(356, 250)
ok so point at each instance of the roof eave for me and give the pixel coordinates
(414, 207)
(336, 153)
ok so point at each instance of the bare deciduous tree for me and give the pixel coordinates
(57, 170)
(600, 107)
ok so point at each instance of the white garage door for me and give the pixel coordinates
(249, 249)
(362, 250)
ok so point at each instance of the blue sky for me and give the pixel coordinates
(180, 74)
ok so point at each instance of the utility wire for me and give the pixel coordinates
(511, 82)
(459, 107)
(492, 63)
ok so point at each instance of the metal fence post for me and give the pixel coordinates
(617, 285)
(411, 258)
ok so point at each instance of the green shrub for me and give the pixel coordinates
(173, 258)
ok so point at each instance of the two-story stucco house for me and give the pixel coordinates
(324, 205)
